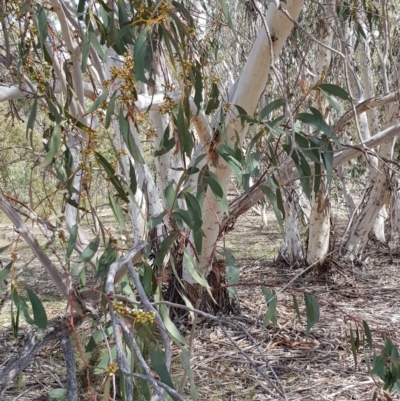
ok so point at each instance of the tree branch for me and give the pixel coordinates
(45, 261)
(72, 385)
(245, 201)
(20, 361)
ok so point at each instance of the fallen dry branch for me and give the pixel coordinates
(22, 359)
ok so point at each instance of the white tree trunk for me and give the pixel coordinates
(379, 194)
(291, 249)
(319, 228)
(249, 88)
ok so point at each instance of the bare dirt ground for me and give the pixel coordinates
(272, 363)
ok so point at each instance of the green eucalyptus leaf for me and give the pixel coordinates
(140, 53)
(271, 300)
(39, 313)
(334, 90)
(71, 242)
(54, 145)
(89, 251)
(129, 139)
(312, 310)
(5, 272)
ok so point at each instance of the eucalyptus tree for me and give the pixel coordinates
(158, 72)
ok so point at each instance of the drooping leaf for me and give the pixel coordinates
(15, 316)
(227, 14)
(327, 158)
(230, 156)
(140, 56)
(213, 182)
(98, 102)
(312, 310)
(95, 43)
(317, 177)
(273, 198)
(71, 241)
(334, 90)
(132, 179)
(213, 101)
(194, 210)
(54, 145)
(129, 139)
(81, 8)
(107, 388)
(191, 265)
(353, 347)
(42, 24)
(109, 256)
(105, 361)
(157, 358)
(305, 175)
(155, 221)
(54, 113)
(367, 333)
(110, 109)
(5, 272)
(112, 176)
(31, 120)
(85, 55)
(332, 101)
(39, 313)
(89, 251)
(169, 325)
(304, 147)
(170, 194)
(185, 358)
(198, 94)
(117, 211)
(164, 248)
(271, 300)
(232, 274)
(198, 240)
(269, 108)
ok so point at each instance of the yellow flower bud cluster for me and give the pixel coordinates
(111, 369)
(137, 315)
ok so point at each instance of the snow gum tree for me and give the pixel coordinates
(153, 107)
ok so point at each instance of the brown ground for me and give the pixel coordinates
(281, 362)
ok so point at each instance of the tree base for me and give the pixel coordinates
(219, 303)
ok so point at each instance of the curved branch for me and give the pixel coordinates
(20, 227)
(245, 201)
(364, 106)
(14, 92)
(20, 361)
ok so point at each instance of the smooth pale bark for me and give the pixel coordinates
(379, 193)
(320, 226)
(249, 88)
(319, 229)
(366, 73)
(375, 199)
(346, 193)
